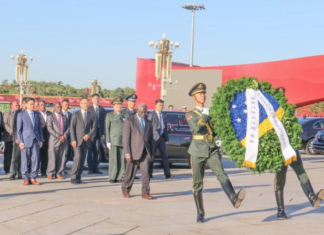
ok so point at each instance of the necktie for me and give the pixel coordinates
(32, 118)
(97, 116)
(60, 123)
(161, 124)
(142, 125)
(85, 118)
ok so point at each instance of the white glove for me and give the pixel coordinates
(109, 145)
(205, 111)
(218, 143)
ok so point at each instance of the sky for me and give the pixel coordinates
(74, 41)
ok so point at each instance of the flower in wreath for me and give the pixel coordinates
(257, 127)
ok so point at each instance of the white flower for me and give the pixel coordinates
(234, 106)
(245, 102)
(245, 110)
(238, 120)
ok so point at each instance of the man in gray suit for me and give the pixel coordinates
(30, 138)
(59, 131)
(161, 137)
(68, 115)
(83, 129)
(138, 148)
(7, 136)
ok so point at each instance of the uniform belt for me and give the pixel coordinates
(202, 137)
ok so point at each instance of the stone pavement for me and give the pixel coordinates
(97, 207)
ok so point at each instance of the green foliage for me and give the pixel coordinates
(59, 89)
(270, 157)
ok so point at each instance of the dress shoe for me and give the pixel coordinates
(19, 176)
(169, 176)
(112, 181)
(43, 175)
(151, 177)
(136, 177)
(34, 182)
(73, 181)
(78, 181)
(26, 182)
(60, 177)
(126, 194)
(120, 181)
(147, 196)
(98, 172)
(90, 172)
(12, 177)
(50, 177)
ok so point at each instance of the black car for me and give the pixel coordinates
(318, 142)
(180, 138)
(310, 127)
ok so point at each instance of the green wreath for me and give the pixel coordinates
(270, 157)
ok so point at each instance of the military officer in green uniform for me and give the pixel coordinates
(203, 150)
(113, 130)
(131, 102)
(280, 181)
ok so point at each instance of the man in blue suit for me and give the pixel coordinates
(30, 138)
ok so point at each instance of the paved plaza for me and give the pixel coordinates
(57, 207)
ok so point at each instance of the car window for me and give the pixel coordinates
(319, 124)
(173, 119)
(183, 120)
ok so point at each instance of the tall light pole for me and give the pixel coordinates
(163, 61)
(193, 8)
(21, 76)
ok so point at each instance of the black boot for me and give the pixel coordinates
(281, 206)
(200, 207)
(235, 198)
(313, 198)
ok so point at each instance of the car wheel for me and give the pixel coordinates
(309, 147)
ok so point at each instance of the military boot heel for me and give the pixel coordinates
(200, 207)
(314, 199)
(281, 215)
(235, 198)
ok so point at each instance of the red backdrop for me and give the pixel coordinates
(303, 78)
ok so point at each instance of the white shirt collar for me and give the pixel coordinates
(199, 108)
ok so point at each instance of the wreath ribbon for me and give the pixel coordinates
(253, 98)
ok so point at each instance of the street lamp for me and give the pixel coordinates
(163, 61)
(21, 76)
(95, 89)
(193, 8)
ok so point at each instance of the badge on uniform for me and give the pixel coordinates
(189, 116)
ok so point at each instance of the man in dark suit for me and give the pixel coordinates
(16, 154)
(7, 136)
(68, 115)
(94, 155)
(161, 137)
(138, 149)
(30, 138)
(59, 131)
(83, 130)
(131, 102)
(43, 161)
